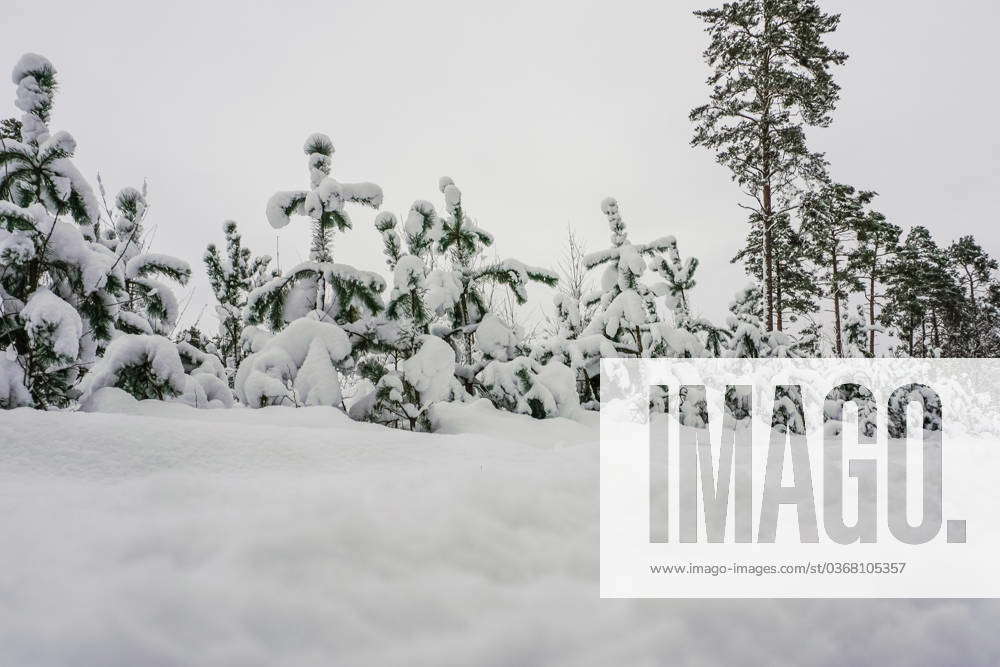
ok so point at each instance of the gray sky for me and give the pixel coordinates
(538, 110)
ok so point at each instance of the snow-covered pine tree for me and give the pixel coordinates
(569, 347)
(321, 313)
(337, 292)
(626, 305)
(747, 338)
(408, 369)
(746, 329)
(627, 314)
(403, 395)
(298, 366)
(463, 241)
(233, 276)
(439, 296)
(411, 302)
(37, 163)
(867, 409)
(494, 364)
(564, 341)
(142, 360)
(678, 276)
(59, 290)
(149, 305)
(456, 292)
(855, 328)
(69, 288)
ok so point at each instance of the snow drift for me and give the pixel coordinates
(165, 535)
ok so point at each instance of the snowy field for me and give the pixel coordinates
(163, 535)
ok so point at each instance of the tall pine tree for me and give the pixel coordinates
(770, 80)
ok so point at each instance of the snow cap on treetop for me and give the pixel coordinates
(131, 202)
(31, 64)
(385, 221)
(610, 208)
(452, 195)
(318, 143)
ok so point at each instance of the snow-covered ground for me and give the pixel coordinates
(164, 535)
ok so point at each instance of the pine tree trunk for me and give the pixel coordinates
(768, 258)
(464, 309)
(871, 313)
(972, 288)
(835, 283)
(910, 331)
(765, 145)
(779, 306)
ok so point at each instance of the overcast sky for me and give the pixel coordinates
(537, 110)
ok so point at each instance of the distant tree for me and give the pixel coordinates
(923, 297)
(974, 334)
(770, 80)
(973, 267)
(834, 218)
(878, 245)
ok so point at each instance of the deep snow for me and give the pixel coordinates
(175, 536)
